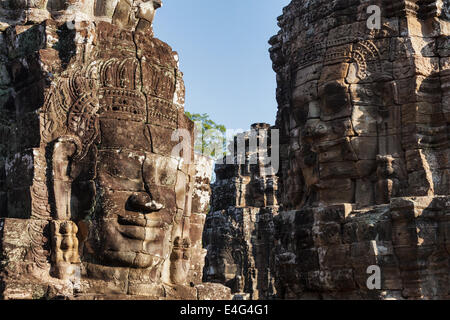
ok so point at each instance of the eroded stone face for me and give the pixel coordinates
(364, 132)
(357, 95)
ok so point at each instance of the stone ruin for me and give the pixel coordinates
(364, 123)
(364, 181)
(238, 232)
(94, 203)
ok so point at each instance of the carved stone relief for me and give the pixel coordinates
(107, 206)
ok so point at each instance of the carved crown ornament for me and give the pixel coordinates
(108, 88)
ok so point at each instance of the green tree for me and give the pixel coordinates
(210, 136)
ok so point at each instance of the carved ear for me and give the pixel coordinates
(64, 151)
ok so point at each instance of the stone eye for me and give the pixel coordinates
(335, 97)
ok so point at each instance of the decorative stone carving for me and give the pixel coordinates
(127, 14)
(389, 177)
(89, 110)
(362, 116)
(64, 248)
(93, 203)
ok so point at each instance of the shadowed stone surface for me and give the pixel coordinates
(364, 124)
(239, 231)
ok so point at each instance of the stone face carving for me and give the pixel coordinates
(88, 110)
(129, 14)
(364, 129)
(93, 203)
(358, 94)
(389, 179)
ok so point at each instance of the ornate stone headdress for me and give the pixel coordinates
(70, 109)
(119, 93)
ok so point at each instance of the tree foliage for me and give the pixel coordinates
(210, 136)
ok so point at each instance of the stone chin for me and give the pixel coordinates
(131, 245)
(131, 259)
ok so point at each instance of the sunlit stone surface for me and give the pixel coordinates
(94, 203)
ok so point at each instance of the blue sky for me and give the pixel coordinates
(224, 56)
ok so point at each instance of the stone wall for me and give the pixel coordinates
(364, 121)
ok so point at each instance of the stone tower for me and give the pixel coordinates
(238, 233)
(364, 118)
(94, 202)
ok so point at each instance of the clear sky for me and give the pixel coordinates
(224, 56)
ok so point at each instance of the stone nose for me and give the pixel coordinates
(143, 203)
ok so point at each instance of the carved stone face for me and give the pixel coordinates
(137, 200)
(339, 115)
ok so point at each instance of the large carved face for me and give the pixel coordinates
(137, 201)
(324, 109)
(141, 187)
(137, 204)
(339, 105)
